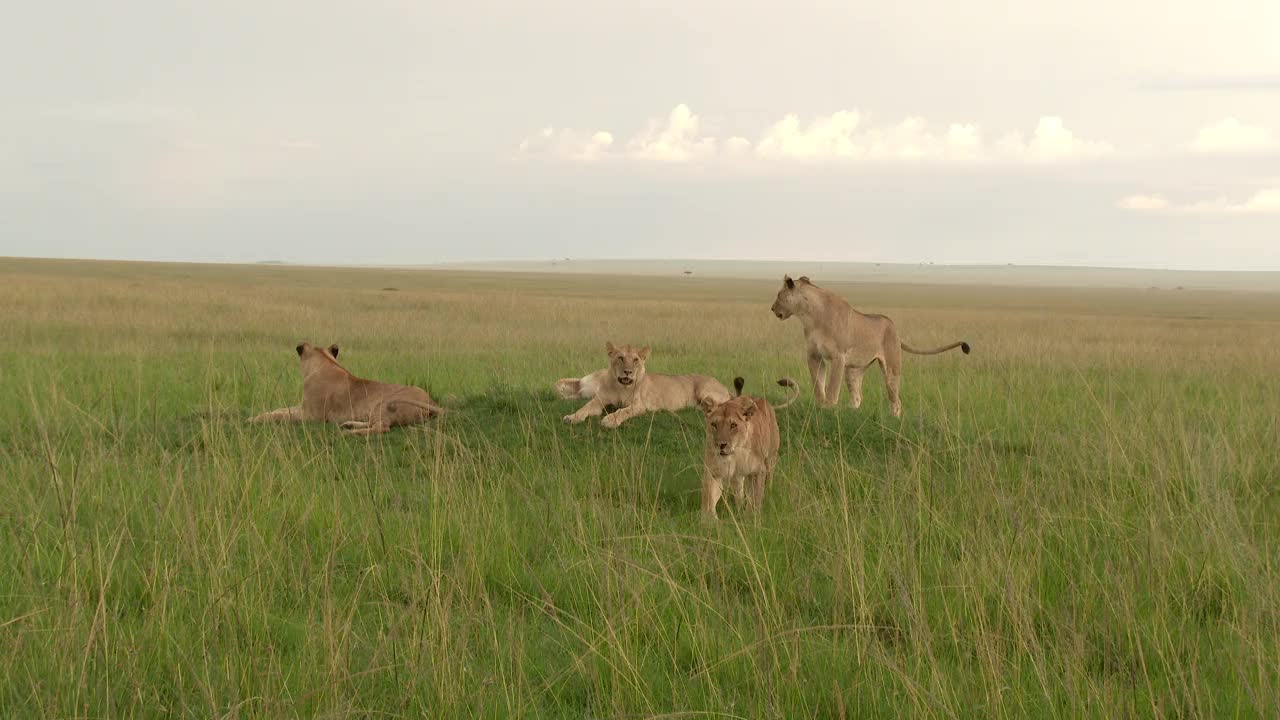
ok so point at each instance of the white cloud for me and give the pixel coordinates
(964, 142)
(568, 143)
(1266, 200)
(1051, 142)
(599, 142)
(1232, 136)
(1143, 202)
(737, 146)
(828, 136)
(842, 136)
(676, 141)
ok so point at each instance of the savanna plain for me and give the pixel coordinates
(1079, 519)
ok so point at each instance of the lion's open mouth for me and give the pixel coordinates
(726, 452)
(625, 381)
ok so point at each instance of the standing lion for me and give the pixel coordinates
(840, 341)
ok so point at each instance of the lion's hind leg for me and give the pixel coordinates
(568, 388)
(713, 392)
(892, 369)
(289, 414)
(853, 380)
(583, 388)
(368, 429)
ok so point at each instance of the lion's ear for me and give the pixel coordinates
(804, 279)
(333, 350)
(610, 348)
(643, 353)
(301, 347)
(708, 404)
(791, 284)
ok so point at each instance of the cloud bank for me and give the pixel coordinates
(1266, 200)
(1232, 136)
(842, 136)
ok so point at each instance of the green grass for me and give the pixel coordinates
(1078, 520)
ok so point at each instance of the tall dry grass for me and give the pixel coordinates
(1078, 520)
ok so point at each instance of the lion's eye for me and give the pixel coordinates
(733, 426)
(713, 426)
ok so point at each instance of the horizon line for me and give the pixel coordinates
(447, 264)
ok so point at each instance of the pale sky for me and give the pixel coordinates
(1099, 132)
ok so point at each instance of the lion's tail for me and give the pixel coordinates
(964, 348)
(793, 392)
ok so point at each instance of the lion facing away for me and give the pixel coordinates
(742, 447)
(332, 394)
(842, 342)
(626, 383)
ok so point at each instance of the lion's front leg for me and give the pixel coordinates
(289, 414)
(835, 370)
(593, 408)
(711, 490)
(758, 481)
(617, 417)
(818, 373)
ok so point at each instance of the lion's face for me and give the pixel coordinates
(626, 363)
(728, 423)
(789, 299)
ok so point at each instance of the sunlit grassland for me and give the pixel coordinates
(1078, 519)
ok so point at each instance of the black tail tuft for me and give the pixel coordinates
(964, 348)
(738, 383)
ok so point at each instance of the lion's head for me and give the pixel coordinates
(626, 363)
(728, 423)
(790, 297)
(311, 356)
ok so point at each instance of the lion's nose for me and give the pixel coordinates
(724, 445)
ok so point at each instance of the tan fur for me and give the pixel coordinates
(842, 342)
(332, 394)
(646, 392)
(583, 388)
(741, 450)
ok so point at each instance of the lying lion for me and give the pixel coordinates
(583, 388)
(331, 394)
(846, 342)
(742, 444)
(625, 383)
